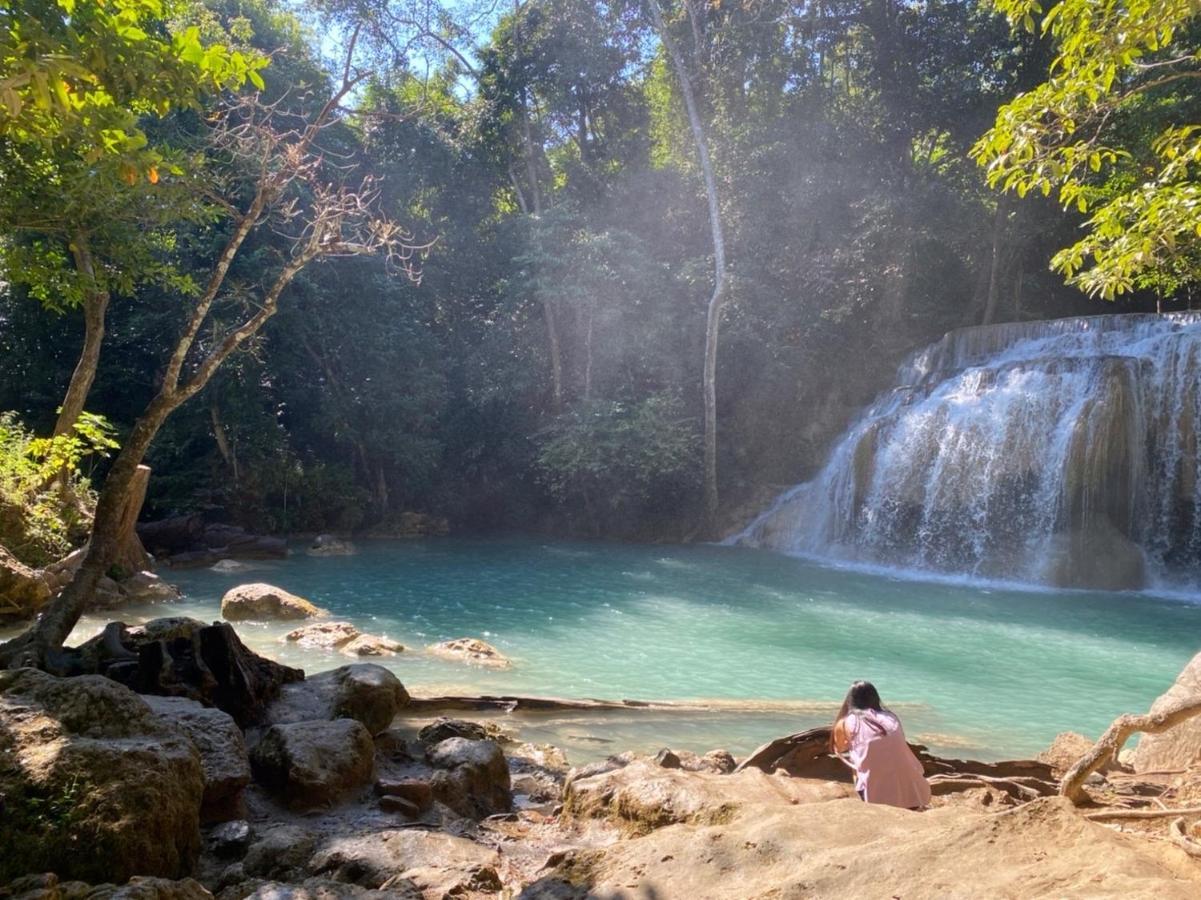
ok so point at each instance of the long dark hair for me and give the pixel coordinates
(862, 697)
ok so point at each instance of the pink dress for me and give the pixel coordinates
(886, 771)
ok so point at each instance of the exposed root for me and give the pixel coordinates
(1181, 839)
(1143, 813)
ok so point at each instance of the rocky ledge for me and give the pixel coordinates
(333, 788)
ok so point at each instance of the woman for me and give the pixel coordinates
(886, 771)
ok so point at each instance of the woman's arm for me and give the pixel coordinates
(842, 737)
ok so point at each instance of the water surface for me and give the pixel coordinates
(773, 640)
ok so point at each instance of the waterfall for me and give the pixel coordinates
(1062, 453)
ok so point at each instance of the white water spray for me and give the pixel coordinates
(1062, 453)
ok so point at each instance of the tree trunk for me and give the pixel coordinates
(994, 268)
(95, 305)
(718, 298)
(131, 555)
(222, 439)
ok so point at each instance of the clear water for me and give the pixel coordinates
(772, 641)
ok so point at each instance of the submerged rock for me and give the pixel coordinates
(363, 691)
(95, 785)
(146, 587)
(265, 602)
(329, 545)
(471, 650)
(372, 645)
(313, 764)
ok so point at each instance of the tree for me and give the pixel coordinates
(1075, 135)
(720, 273)
(273, 163)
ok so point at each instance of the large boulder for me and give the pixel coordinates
(259, 601)
(471, 650)
(474, 780)
(22, 589)
(281, 852)
(313, 764)
(96, 787)
(1178, 747)
(146, 587)
(434, 864)
(222, 753)
(363, 691)
(642, 796)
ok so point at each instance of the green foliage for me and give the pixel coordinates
(615, 459)
(1104, 133)
(41, 515)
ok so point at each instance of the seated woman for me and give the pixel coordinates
(886, 771)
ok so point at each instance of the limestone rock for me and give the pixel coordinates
(22, 589)
(846, 848)
(96, 786)
(146, 587)
(323, 635)
(1178, 747)
(363, 691)
(442, 728)
(471, 650)
(313, 764)
(329, 545)
(475, 780)
(643, 796)
(413, 790)
(325, 889)
(1066, 749)
(439, 865)
(230, 840)
(261, 601)
(222, 753)
(372, 645)
(281, 852)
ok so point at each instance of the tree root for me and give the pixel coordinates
(1115, 737)
(1143, 813)
(1182, 840)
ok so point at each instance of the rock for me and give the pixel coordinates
(281, 852)
(188, 539)
(59, 573)
(442, 728)
(412, 525)
(665, 759)
(107, 595)
(325, 889)
(412, 790)
(207, 663)
(1066, 749)
(229, 566)
(328, 545)
(222, 753)
(372, 645)
(846, 848)
(1100, 558)
(475, 781)
(260, 602)
(721, 762)
(399, 806)
(173, 535)
(542, 757)
(96, 787)
(471, 650)
(363, 691)
(146, 587)
(323, 635)
(439, 865)
(155, 889)
(230, 840)
(1178, 747)
(642, 796)
(314, 764)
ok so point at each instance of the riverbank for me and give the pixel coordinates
(341, 786)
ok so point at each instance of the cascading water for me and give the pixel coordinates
(1062, 453)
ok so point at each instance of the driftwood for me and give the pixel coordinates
(1115, 737)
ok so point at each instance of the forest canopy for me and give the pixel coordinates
(488, 239)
